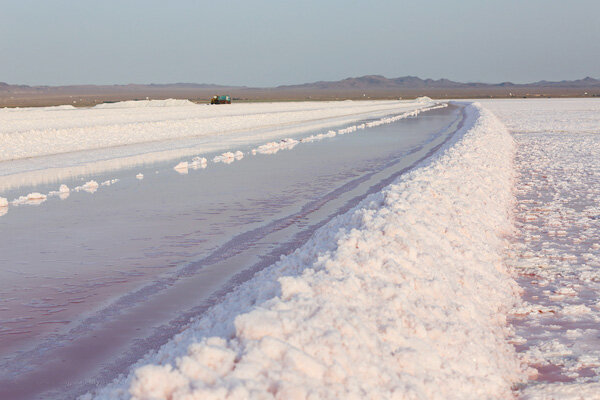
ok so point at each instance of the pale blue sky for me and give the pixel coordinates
(267, 43)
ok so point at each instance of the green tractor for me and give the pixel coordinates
(225, 99)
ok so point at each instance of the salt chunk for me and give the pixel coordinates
(181, 168)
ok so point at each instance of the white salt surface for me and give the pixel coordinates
(32, 132)
(556, 247)
(405, 296)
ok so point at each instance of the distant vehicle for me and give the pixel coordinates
(225, 99)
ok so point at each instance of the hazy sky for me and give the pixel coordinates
(267, 43)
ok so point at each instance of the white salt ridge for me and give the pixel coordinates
(228, 157)
(405, 296)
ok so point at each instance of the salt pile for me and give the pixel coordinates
(181, 168)
(34, 198)
(109, 182)
(146, 103)
(274, 147)
(89, 186)
(63, 192)
(228, 157)
(198, 163)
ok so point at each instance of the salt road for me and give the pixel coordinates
(95, 282)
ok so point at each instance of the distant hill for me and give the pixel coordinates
(370, 82)
(367, 82)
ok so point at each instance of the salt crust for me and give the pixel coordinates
(33, 132)
(405, 297)
(556, 246)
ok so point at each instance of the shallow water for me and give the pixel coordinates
(89, 284)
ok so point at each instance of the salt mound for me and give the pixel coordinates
(34, 198)
(49, 108)
(109, 182)
(181, 168)
(274, 147)
(146, 103)
(198, 162)
(423, 99)
(90, 187)
(63, 192)
(228, 157)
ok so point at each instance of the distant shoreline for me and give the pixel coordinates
(91, 99)
(372, 87)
